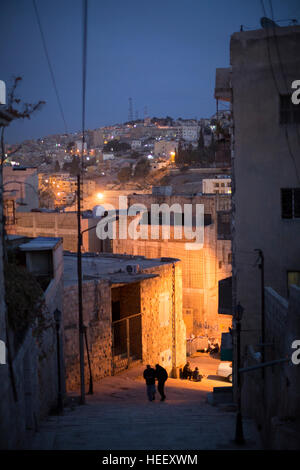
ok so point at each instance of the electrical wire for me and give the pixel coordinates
(277, 88)
(280, 61)
(50, 66)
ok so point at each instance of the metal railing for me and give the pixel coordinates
(126, 342)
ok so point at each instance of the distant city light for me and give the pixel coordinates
(150, 157)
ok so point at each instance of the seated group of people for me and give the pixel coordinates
(188, 373)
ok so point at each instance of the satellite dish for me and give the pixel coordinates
(266, 23)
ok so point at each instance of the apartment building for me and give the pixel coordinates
(202, 268)
(164, 148)
(216, 186)
(266, 213)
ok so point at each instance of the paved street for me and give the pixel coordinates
(118, 416)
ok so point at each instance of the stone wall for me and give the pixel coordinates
(273, 399)
(34, 224)
(158, 299)
(97, 319)
(35, 380)
(163, 328)
(202, 269)
(35, 375)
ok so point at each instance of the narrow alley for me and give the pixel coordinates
(119, 417)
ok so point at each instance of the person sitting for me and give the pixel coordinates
(196, 376)
(187, 372)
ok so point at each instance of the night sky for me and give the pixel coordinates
(162, 53)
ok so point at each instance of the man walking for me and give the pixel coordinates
(149, 376)
(161, 375)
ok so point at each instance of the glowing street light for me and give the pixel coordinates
(172, 155)
(100, 196)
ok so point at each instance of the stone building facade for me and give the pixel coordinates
(273, 398)
(53, 224)
(131, 318)
(29, 379)
(265, 164)
(97, 319)
(202, 269)
(265, 206)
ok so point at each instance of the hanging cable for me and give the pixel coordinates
(49, 65)
(84, 62)
(79, 235)
(278, 91)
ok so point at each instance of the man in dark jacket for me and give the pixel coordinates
(149, 376)
(161, 375)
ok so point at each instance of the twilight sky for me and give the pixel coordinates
(162, 53)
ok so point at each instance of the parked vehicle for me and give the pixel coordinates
(225, 370)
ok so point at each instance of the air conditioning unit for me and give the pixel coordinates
(133, 268)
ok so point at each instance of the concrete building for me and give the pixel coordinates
(190, 133)
(265, 157)
(216, 186)
(136, 144)
(64, 187)
(132, 311)
(53, 224)
(203, 268)
(29, 379)
(265, 190)
(20, 190)
(108, 156)
(164, 148)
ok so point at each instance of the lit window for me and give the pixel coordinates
(293, 277)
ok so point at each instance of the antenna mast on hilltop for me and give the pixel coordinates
(130, 110)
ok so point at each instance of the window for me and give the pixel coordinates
(229, 258)
(290, 203)
(9, 212)
(289, 112)
(224, 225)
(216, 185)
(293, 277)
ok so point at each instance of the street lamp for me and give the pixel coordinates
(57, 318)
(239, 435)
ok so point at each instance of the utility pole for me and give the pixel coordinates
(261, 266)
(80, 306)
(79, 175)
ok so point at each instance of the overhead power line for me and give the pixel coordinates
(79, 181)
(286, 134)
(49, 65)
